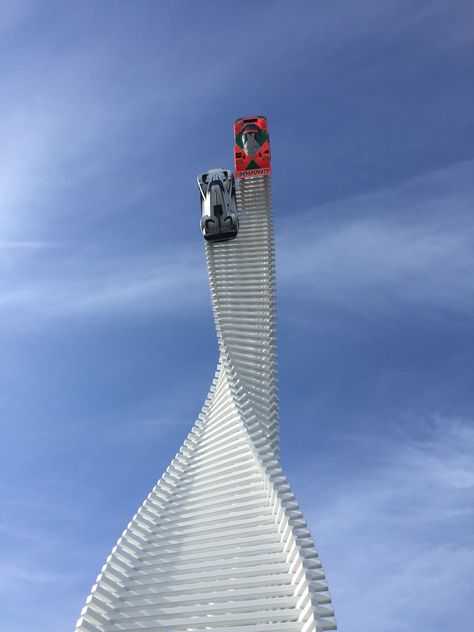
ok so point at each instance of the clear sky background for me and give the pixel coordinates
(108, 110)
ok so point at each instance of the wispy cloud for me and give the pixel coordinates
(74, 285)
(374, 254)
(408, 246)
(74, 126)
(397, 541)
(22, 245)
(15, 574)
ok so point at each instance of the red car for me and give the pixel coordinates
(252, 147)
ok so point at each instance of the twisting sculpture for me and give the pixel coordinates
(220, 543)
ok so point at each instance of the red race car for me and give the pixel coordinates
(252, 147)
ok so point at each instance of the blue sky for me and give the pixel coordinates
(108, 111)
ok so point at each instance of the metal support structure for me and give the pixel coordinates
(220, 543)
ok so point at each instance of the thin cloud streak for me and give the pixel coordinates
(381, 253)
(78, 285)
(386, 534)
(397, 248)
(14, 574)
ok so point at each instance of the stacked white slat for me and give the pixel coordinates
(220, 542)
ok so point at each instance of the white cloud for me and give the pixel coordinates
(412, 245)
(74, 285)
(22, 245)
(373, 255)
(26, 574)
(397, 540)
(77, 122)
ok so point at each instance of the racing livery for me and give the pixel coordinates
(251, 147)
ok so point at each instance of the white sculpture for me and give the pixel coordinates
(220, 543)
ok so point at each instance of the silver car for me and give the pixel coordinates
(219, 221)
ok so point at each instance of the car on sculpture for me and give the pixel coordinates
(220, 543)
(219, 221)
(251, 147)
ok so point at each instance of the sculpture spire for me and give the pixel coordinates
(220, 542)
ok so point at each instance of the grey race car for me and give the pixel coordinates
(219, 221)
